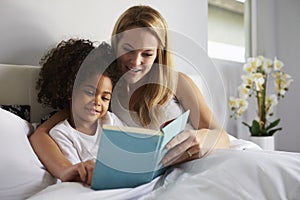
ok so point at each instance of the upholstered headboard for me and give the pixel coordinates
(17, 87)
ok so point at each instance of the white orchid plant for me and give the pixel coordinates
(254, 84)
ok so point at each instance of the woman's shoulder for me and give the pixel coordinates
(189, 86)
(183, 77)
(184, 84)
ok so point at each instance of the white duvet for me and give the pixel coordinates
(224, 174)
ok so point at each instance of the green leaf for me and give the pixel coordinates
(255, 131)
(246, 124)
(273, 124)
(263, 132)
(271, 132)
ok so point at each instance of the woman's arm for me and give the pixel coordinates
(201, 116)
(209, 134)
(53, 159)
(46, 149)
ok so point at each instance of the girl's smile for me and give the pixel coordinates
(91, 99)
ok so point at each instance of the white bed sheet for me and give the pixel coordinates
(225, 174)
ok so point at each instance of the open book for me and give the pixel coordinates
(130, 156)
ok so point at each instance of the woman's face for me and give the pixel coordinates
(136, 51)
(91, 99)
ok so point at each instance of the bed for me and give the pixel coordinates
(242, 172)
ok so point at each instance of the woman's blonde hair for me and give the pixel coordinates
(161, 85)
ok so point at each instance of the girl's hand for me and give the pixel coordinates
(186, 146)
(80, 172)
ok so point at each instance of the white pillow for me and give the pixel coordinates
(21, 172)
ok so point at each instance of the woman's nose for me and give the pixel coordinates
(136, 59)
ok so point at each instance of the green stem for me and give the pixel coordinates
(261, 99)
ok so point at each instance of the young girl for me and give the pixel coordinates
(78, 136)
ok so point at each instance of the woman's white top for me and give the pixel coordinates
(170, 110)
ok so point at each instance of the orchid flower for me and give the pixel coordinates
(259, 70)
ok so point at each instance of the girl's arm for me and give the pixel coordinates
(193, 144)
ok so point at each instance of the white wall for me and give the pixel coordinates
(288, 44)
(278, 31)
(29, 28)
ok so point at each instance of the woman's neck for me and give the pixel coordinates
(134, 87)
(129, 93)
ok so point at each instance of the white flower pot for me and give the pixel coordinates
(266, 143)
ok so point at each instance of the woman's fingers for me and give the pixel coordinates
(184, 147)
(183, 142)
(179, 139)
(173, 157)
(190, 154)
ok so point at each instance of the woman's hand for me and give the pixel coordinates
(185, 146)
(208, 133)
(191, 145)
(80, 172)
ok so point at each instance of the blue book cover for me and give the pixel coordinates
(129, 156)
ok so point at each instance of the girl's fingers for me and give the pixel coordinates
(89, 167)
(73, 173)
(82, 172)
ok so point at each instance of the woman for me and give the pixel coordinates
(149, 93)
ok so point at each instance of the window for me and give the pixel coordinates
(226, 30)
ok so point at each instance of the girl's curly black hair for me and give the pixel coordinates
(61, 65)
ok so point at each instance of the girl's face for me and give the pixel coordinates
(91, 99)
(136, 51)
